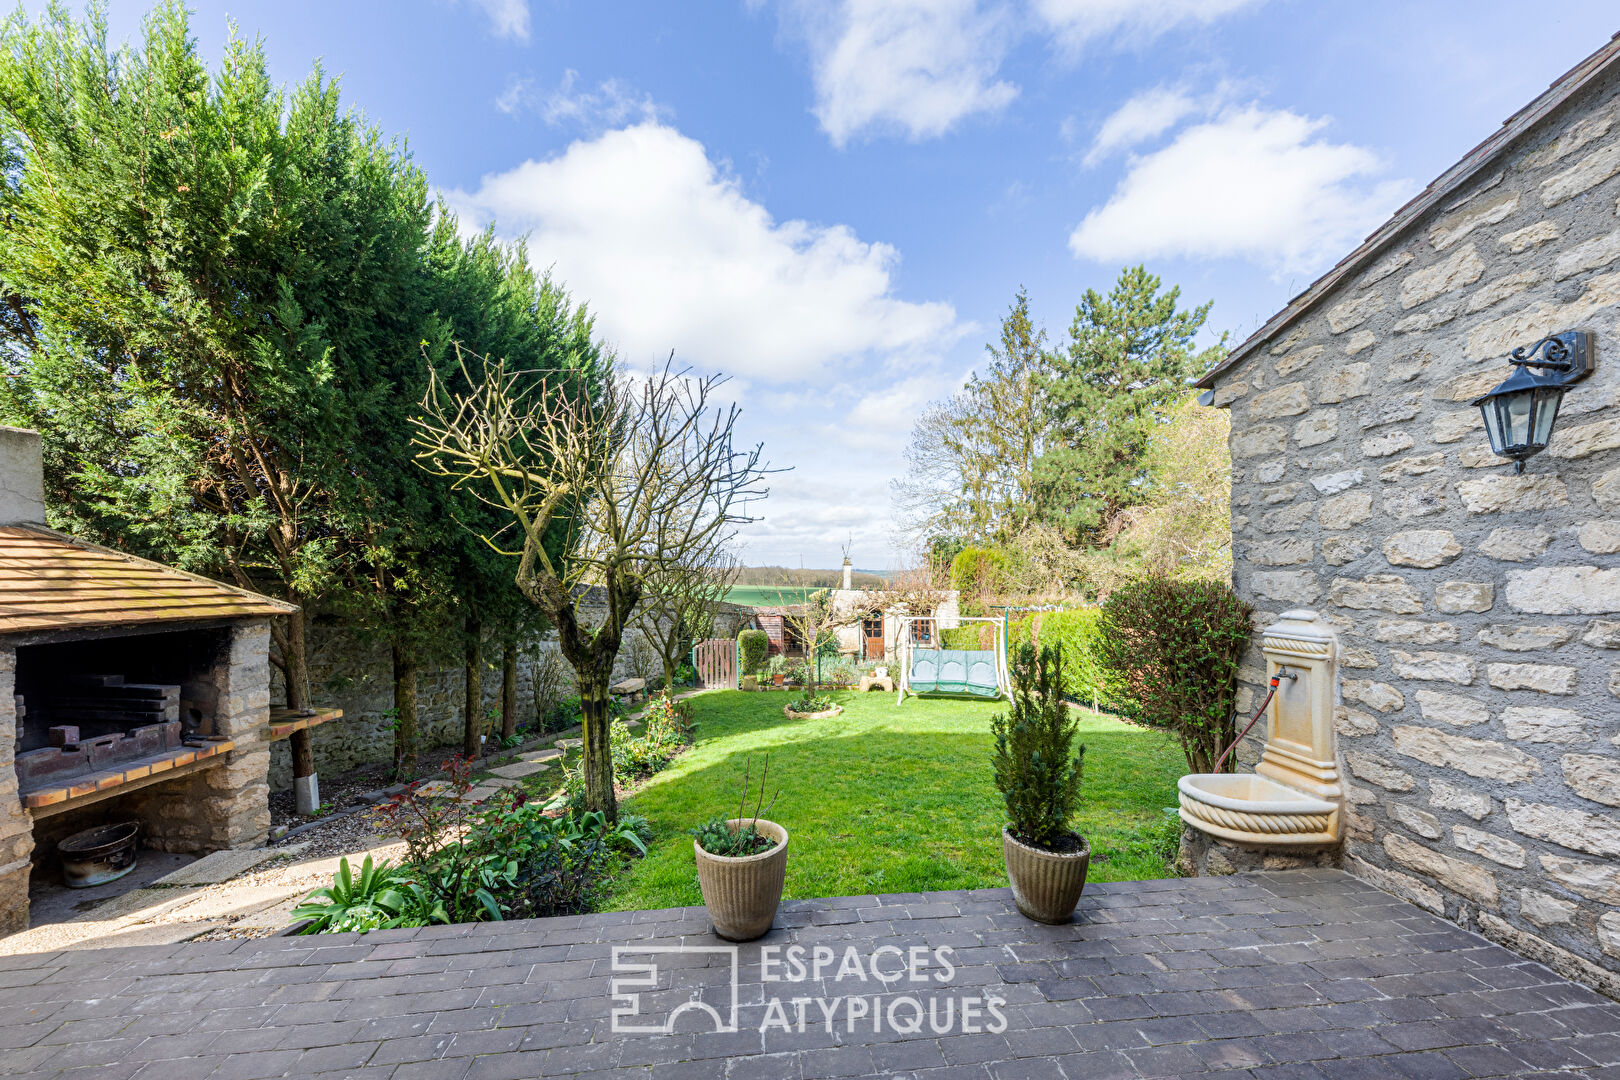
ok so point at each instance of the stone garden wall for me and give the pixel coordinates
(1479, 611)
(355, 673)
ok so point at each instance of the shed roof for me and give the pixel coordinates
(1472, 163)
(52, 581)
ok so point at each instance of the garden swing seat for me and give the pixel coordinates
(954, 671)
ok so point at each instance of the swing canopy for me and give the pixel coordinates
(954, 671)
(928, 669)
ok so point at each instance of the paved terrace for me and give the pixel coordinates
(1301, 974)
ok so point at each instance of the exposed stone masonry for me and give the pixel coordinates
(354, 672)
(1479, 611)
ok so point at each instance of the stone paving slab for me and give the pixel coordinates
(219, 867)
(519, 769)
(540, 755)
(1308, 974)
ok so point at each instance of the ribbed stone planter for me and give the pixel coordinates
(1046, 885)
(742, 894)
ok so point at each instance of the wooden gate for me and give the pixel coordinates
(715, 661)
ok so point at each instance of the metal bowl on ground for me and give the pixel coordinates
(97, 856)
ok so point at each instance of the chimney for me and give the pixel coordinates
(22, 478)
(849, 570)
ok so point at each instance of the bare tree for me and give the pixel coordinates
(679, 601)
(637, 476)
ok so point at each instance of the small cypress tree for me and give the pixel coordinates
(1037, 762)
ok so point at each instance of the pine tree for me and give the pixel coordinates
(1124, 368)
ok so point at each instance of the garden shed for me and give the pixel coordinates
(1477, 607)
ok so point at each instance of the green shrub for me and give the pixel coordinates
(1037, 764)
(381, 896)
(975, 635)
(1078, 634)
(1175, 646)
(753, 646)
(976, 571)
(718, 838)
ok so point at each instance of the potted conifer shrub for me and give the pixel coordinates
(1037, 770)
(742, 866)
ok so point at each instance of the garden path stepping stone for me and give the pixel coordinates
(540, 755)
(521, 768)
(218, 868)
(435, 789)
(479, 794)
(569, 743)
(498, 782)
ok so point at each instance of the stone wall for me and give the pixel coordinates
(1479, 611)
(228, 805)
(354, 672)
(16, 827)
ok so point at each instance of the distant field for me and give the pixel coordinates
(767, 595)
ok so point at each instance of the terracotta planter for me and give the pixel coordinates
(1046, 885)
(778, 680)
(742, 894)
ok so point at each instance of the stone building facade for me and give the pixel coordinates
(1478, 610)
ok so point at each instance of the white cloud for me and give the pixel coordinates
(1145, 116)
(508, 18)
(611, 104)
(671, 254)
(1078, 23)
(917, 66)
(1253, 183)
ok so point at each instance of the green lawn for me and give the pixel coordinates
(887, 799)
(767, 595)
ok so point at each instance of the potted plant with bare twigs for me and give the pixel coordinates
(1038, 770)
(742, 865)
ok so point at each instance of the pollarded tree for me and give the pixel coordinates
(679, 602)
(646, 468)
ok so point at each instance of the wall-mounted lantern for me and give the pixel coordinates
(1520, 413)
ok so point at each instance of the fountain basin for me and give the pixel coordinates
(1251, 809)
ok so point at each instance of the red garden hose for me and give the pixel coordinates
(1282, 673)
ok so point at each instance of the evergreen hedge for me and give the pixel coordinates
(753, 646)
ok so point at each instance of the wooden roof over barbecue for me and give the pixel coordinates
(52, 581)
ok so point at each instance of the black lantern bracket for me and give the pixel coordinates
(1520, 413)
(1568, 354)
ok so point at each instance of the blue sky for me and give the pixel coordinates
(834, 202)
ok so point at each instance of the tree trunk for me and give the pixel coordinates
(598, 763)
(473, 705)
(509, 656)
(295, 662)
(669, 676)
(295, 673)
(405, 729)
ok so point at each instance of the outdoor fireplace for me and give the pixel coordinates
(129, 691)
(86, 708)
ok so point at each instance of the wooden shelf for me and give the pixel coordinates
(125, 772)
(283, 722)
